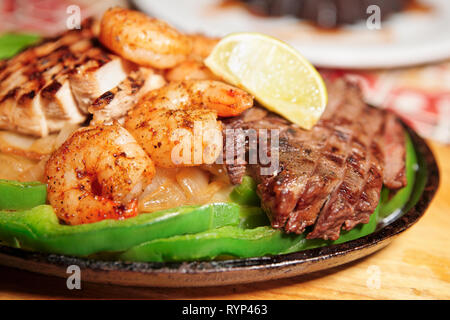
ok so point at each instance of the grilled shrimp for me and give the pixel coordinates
(177, 124)
(226, 100)
(190, 70)
(177, 138)
(143, 40)
(201, 46)
(98, 173)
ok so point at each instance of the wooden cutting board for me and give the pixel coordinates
(415, 266)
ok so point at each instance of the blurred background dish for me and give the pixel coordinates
(417, 33)
(324, 13)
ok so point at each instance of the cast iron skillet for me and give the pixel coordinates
(216, 273)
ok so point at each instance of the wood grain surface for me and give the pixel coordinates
(415, 266)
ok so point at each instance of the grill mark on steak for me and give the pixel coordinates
(258, 118)
(342, 201)
(235, 167)
(328, 177)
(330, 166)
(280, 193)
(298, 156)
(388, 152)
(236, 137)
(394, 150)
(370, 194)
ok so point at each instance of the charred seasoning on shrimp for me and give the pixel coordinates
(97, 174)
(226, 100)
(177, 124)
(177, 138)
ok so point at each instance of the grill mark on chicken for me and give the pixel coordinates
(53, 83)
(103, 100)
(96, 73)
(23, 79)
(10, 94)
(46, 47)
(51, 89)
(115, 103)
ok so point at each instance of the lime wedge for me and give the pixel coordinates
(277, 75)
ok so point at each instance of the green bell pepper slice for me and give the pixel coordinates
(402, 196)
(236, 242)
(12, 43)
(230, 241)
(39, 229)
(252, 217)
(245, 193)
(16, 195)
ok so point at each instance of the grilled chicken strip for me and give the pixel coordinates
(23, 77)
(96, 74)
(53, 84)
(115, 103)
(59, 105)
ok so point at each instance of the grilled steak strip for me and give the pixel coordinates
(280, 193)
(298, 156)
(329, 176)
(236, 143)
(258, 118)
(370, 195)
(394, 151)
(387, 165)
(331, 165)
(343, 200)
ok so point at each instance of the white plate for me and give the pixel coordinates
(409, 38)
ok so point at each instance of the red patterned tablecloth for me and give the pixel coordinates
(47, 17)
